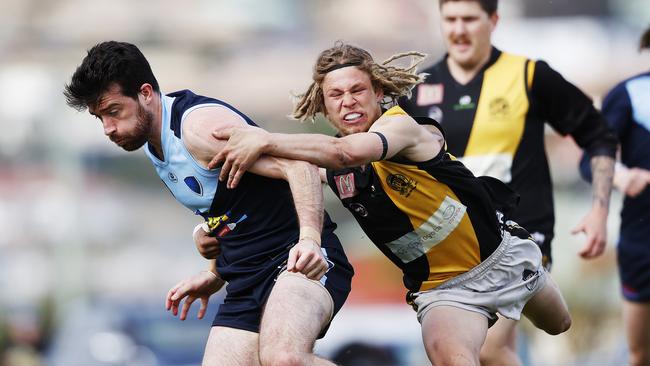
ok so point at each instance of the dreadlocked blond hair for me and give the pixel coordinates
(394, 81)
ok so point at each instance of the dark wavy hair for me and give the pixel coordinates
(108, 64)
(644, 43)
(490, 6)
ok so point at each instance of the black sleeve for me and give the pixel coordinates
(617, 110)
(407, 103)
(570, 112)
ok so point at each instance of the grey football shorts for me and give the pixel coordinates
(503, 283)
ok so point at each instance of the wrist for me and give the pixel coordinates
(202, 226)
(267, 145)
(213, 273)
(308, 232)
(599, 208)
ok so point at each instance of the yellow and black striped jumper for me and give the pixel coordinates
(434, 219)
(495, 125)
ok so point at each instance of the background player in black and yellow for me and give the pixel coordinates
(422, 208)
(493, 106)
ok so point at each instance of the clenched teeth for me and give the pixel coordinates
(351, 116)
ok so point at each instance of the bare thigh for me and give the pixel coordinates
(453, 336)
(500, 347)
(637, 327)
(231, 347)
(547, 309)
(295, 314)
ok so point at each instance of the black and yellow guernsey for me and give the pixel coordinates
(433, 219)
(495, 124)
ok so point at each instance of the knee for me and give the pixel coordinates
(445, 354)
(280, 358)
(561, 326)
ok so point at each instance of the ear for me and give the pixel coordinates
(146, 93)
(494, 19)
(379, 94)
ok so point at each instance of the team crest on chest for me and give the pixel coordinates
(499, 107)
(345, 185)
(401, 183)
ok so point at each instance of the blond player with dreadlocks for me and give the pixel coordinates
(463, 261)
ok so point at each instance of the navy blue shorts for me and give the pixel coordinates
(243, 309)
(634, 270)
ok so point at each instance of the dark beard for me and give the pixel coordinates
(142, 130)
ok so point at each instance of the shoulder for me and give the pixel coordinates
(199, 123)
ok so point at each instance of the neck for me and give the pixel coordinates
(156, 126)
(465, 73)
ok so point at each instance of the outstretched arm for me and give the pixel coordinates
(389, 136)
(303, 178)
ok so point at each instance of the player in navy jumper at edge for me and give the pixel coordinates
(287, 274)
(627, 109)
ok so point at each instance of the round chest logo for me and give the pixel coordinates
(499, 107)
(172, 177)
(401, 183)
(359, 209)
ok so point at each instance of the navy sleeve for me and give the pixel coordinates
(617, 110)
(570, 112)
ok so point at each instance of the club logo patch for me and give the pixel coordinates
(359, 209)
(464, 102)
(345, 185)
(527, 275)
(430, 94)
(401, 183)
(499, 107)
(194, 184)
(172, 177)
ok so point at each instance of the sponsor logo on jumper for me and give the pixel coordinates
(464, 102)
(219, 226)
(430, 94)
(499, 107)
(172, 177)
(433, 231)
(435, 113)
(230, 227)
(401, 183)
(359, 209)
(527, 275)
(194, 184)
(345, 185)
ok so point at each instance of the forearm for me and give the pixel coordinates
(305, 184)
(322, 150)
(602, 168)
